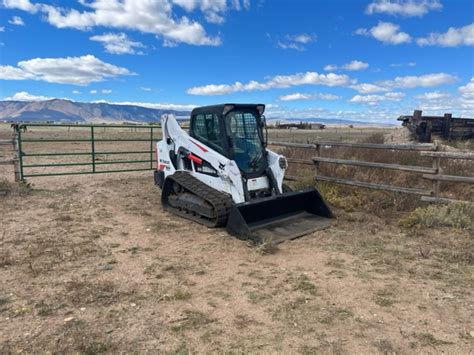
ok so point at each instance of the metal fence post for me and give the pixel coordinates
(20, 154)
(151, 148)
(93, 149)
(16, 159)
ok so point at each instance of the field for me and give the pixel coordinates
(92, 264)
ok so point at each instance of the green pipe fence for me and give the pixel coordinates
(92, 150)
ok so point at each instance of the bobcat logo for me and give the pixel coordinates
(221, 166)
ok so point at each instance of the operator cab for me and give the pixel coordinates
(236, 131)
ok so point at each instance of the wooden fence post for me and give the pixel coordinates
(436, 183)
(447, 125)
(318, 154)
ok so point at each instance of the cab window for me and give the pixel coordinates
(206, 128)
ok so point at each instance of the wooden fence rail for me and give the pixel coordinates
(433, 174)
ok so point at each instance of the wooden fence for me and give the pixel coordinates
(433, 173)
(13, 157)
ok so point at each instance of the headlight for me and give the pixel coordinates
(283, 163)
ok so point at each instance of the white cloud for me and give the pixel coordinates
(17, 21)
(405, 82)
(301, 96)
(24, 5)
(467, 90)
(117, 43)
(297, 41)
(330, 67)
(304, 38)
(2, 29)
(403, 7)
(26, 96)
(212, 10)
(106, 91)
(70, 70)
(93, 92)
(386, 32)
(157, 17)
(7, 72)
(76, 92)
(279, 81)
(434, 95)
(351, 66)
(427, 80)
(367, 88)
(398, 65)
(355, 65)
(373, 100)
(146, 89)
(454, 37)
(438, 103)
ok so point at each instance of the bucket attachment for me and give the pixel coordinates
(279, 218)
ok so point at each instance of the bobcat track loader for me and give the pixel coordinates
(222, 174)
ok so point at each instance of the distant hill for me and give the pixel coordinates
(65, 110)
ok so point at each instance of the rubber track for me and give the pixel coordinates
(221, 202)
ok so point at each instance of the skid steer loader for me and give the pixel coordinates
(221, 173)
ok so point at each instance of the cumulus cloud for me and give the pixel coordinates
(70, 70)
(408, 8)
(386, 32)
(413, 81)
(279, 81)
(16, 21)
(156, 17)
(24, 5)
(351, 66)
(106, 91)
(467, 91)
(434, 95)
(454, 37)
(368, 88)
(147, 89)
(118, 43)
(398, 65)
(405, 82)
(26, 96)
(302, 96)
(373, 100)
(297, 42)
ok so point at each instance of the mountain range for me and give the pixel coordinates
(65, 110)
(62, 110)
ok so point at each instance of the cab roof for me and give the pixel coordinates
(223, 109)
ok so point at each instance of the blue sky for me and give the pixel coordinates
(367, 59)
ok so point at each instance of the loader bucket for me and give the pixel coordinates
(279, 218)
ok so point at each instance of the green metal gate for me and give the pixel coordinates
(85, 148)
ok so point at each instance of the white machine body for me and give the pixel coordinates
(220, 173)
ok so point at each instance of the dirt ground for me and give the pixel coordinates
(92, 264)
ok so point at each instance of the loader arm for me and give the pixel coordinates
(177, 141)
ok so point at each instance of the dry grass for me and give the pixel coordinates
(457, 215)
(92, 264)
(351, 198)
